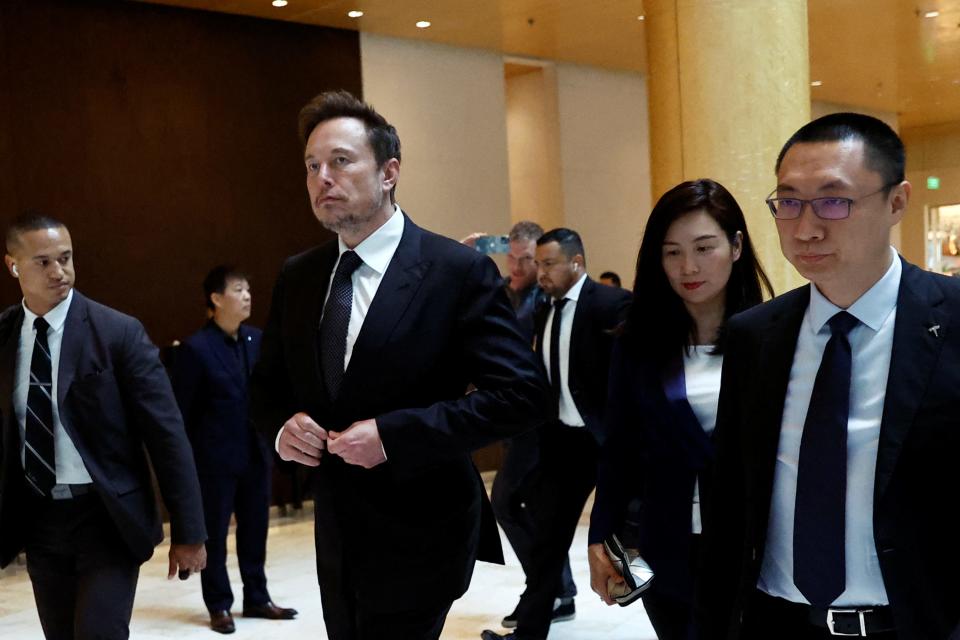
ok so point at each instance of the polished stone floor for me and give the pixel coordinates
(173, 609)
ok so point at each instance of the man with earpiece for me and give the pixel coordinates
(574, 337)
(83, 397)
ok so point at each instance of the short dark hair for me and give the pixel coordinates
(568, 239)
(526, 230)
(611, 275)
(30, 221)
(662, 333)
(216, 281)
(883, 148)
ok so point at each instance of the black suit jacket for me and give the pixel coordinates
(655, 451)
(600, 309)
(211, 388)
(914, 515)
(117, 405)
(407, 532)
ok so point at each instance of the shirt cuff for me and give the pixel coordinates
(276, 443)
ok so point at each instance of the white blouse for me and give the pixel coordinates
(701, 372)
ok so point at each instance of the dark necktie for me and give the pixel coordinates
(819, 559)
(555, 346)
(39, 462)
(336, 320)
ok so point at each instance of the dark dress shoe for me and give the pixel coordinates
(222, 622)
(493, 635)
(269, 611)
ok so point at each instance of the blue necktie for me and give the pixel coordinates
(39, 460)
(336, 320)
(819, 559)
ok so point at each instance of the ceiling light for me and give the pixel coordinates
(355, 14)
(931, 14)
(279, 3)
(641, 18)
(816, 83)
(423, 24)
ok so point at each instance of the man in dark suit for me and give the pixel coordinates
(574, 338)
(371, 343)
(211, 375)
(83, 397)
(837, 434)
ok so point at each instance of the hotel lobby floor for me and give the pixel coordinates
(173, 609)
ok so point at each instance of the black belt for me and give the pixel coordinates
(69, 491)
(853, 621)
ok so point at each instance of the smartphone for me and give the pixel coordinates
(493, 244)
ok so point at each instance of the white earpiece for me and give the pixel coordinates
(16, 272)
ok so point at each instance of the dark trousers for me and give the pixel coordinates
(565, 476)
(671, 614)
(248, 497)
(770, 617)
(509, 495)
(84, 577)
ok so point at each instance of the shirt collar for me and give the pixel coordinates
(55, 317)
(574, 292)
(378, 248)
(872, 308)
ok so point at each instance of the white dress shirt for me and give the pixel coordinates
(701, 374)
(70, 467)
(569, 415)
(376, 251)
(871, 344)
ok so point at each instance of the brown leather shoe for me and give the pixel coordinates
(222, 622)
(269, 611)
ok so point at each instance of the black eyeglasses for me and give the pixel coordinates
(828, 208)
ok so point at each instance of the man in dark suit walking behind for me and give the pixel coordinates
(83, 395)
(371, 343)
(574, 339)
(211, 375)
(837, 430)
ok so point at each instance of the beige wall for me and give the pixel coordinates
(605, 160)
(931, 151)
(533, 139)
(449, 108)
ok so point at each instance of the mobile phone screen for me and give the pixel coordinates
(493, 244)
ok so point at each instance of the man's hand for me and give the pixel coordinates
(360, 444)
(471, 240)
(302, 440)
(601, 572)
(186, 559)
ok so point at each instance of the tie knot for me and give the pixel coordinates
(842, 322)
(41, 326)
(349, 262)
(558, 304)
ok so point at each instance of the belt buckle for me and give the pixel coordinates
(860, 614)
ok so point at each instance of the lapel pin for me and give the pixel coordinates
(935, 330)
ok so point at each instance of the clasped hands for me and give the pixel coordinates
(303, 440)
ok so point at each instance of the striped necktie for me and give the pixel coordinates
(39, 463)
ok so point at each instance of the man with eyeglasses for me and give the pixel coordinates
(837, 434)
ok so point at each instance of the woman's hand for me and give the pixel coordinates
(602, 572)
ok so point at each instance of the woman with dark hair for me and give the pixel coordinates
(696, 268)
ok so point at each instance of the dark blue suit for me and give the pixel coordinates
(655, 451)
(210, 378)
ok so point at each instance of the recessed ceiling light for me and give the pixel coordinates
(279, 3)
(816, 83)
(423, 24)
(931, 14)
(641, 18)
(355, 14)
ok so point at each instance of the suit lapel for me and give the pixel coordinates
(75, 330)
(915, 352)
(580, 312)
(306, 310)
(673, 381)
(397, 289)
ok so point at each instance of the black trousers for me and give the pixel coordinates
(247, 496)
(84, 577)
(770, 617)
(510, 492)
(565, 476)
(671, 614)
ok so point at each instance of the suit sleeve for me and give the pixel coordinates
(511, 393)
(271, 400)
(149, 399)
(617, 475)
(187, 378)
(724, 504)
